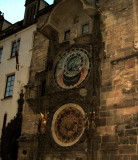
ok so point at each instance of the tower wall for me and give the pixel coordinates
(112, 80)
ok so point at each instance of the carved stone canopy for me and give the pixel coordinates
(62, 12)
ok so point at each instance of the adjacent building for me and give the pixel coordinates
(16, 45)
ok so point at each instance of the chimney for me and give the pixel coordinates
(31, 9)
(1, 20)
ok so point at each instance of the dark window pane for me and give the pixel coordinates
(8, 84)
(67, 35)
(13, 49)
(8, 89)
(13, 78)
(43, 88)
(9, 79)
(7, 94)
(10, 93)
(14, 45)
(18, 44)
(85, 28)
(0, 54)
(12, 82)
(11, 88)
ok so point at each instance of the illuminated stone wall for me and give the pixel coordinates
(113, 80)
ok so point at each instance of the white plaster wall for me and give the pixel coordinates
(8, 66)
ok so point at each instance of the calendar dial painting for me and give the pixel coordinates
(68, 124)
(72, 69)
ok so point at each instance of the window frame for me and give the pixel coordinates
(65, 33)
(1, 50)
(86, 24)
(13, 49)
(11, 82)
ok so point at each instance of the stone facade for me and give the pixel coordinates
(10, 35)
(108, 96)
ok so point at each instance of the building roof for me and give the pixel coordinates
(14, 28)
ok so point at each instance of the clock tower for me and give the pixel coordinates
(64, 88)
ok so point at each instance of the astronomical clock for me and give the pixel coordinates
(69, 102)
(70, 87)
(72, 69)
(68, 108)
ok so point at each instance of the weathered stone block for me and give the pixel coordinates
(109, 88)
(100, 122)
(120, 157)
(128, 139)
(127, 149)
(103, 108)
(108, 146)
(123, 140)
(133, 139)
(114, 120)
(131, 132)
(105, 114)
(134, 157)
(105, 157)
(103, 102)
(109, 138)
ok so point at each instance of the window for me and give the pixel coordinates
(9, 85)
(14, 45)
(85, 28)
(43, 87)
(0, 54)
(67, 35)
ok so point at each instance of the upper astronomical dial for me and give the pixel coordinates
(72, 69)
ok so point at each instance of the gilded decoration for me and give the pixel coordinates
(43, 122)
